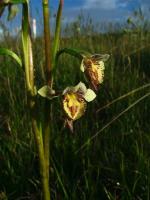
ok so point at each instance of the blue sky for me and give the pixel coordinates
(99, 10)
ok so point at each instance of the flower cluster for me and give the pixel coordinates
(75, 98)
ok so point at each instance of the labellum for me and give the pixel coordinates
(74, 106)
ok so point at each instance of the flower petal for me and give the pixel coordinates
(47, 92)
(81, 88)
(101, 65)
(103, 57)
(68, 89)
(89, 95)
(100, 70)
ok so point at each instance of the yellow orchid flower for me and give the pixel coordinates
(75, 102)
(93, 66)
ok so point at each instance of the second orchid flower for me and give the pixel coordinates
(93, 67)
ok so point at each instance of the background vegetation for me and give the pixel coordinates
(115, 165)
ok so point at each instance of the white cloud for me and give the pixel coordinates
(102, 4)
(107, 10)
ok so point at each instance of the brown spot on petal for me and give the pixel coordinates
(73, 110)
(93, 71)
(92, 75)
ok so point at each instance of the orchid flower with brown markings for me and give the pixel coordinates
(93, 66)
(75, 102)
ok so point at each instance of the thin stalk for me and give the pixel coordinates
(43, 172)
(47, 41)
(73, 52)
(47, 136)
(123, 96)
(47, 70)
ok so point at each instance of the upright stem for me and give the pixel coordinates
(43, 172)
(47, 136)
(47, 41)
(47, 70)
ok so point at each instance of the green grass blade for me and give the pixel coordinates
(60, 180)
(57, 31)
(123, 96)
(113, 120)
(7, 52)
(18, 1)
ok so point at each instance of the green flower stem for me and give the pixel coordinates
(43, 172)
(73, 52)
(47, 136)
(47, 70)
(49, 78)
(48, 73)
(47, 41)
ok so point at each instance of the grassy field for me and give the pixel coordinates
(108, 155)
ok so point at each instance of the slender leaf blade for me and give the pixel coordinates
(7, 52)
